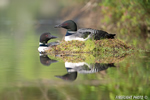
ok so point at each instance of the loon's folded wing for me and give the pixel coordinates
(85, 32)
(96, 34)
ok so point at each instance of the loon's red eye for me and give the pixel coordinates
(65, 24)
(46, 35)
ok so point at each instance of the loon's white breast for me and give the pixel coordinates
(72, 37)
(42, 48)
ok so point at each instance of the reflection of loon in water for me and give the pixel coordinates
(84, 68)
(45, 60)
(74, 68)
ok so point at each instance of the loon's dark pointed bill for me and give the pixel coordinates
(53, 37)
(58, 76)
(57, 26)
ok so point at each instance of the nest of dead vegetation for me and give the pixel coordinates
(107, 46)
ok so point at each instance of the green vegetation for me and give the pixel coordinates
(91, 58)
(107, 46)
(130, 19)
(101, 51)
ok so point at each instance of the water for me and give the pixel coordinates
(27, 75)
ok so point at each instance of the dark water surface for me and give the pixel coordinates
(27, 75)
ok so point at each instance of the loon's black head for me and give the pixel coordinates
(45, 37)
(70, 25)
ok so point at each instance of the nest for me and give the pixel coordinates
(99, 46)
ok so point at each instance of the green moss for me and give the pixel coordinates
(99, 46)
(89, 46)
(91, 51)
(91, 57)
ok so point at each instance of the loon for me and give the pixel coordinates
(44, 38)
(82, 34)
